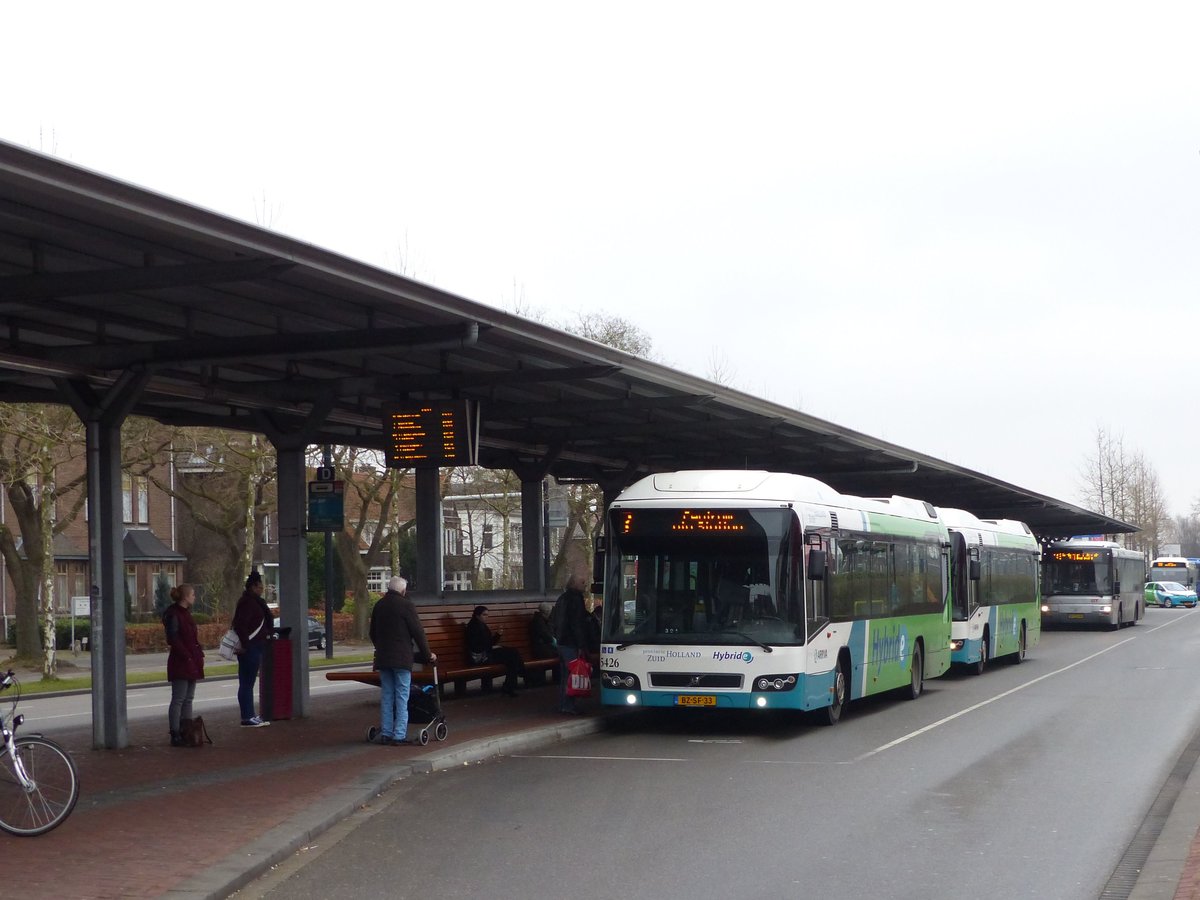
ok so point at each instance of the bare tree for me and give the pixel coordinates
(226, 481)
(1124, 485)
(372, 528)
(37, 445)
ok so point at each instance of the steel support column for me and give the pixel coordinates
(292, 486)
(429, 575)
(533, 560)
(102, 416)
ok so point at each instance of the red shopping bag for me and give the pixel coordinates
(579, 677)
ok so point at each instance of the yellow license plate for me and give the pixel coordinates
(695, 700)
(1074, 615)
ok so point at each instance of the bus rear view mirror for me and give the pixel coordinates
(974, 573)
(816, 565)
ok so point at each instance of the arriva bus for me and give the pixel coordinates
(1174, 568)
(748, 589)
(994, 585)
(1092, 582)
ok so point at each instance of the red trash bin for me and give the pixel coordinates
(275, 680)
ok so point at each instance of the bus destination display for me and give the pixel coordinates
(686, 521)
(426, 435)
(1075, 556)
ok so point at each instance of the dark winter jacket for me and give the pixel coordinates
(480, 640)
(394, 628)
(185, 661)
(251, 612)
(570, 618)
(541, 636)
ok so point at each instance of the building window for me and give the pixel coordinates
(135, 499)
(487, 536)
(62, 602)
(453, 542)
(375, 579)
(458, 581)
(131, 586)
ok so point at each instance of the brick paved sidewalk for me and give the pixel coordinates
(152, 817)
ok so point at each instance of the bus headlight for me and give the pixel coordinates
(774, 682)
(620, 681)
(956, 645)
(1045, 608)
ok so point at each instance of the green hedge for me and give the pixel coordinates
(62, 630)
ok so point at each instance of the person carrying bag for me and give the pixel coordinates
(570, 630)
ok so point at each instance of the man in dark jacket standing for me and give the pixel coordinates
(570, 629)
(394, 627)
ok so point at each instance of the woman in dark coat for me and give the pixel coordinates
(185, 660)
(253, 623)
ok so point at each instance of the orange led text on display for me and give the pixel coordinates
(707, 521)
(1075, 556)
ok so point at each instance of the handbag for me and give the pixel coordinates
(193, 732)
(579, 677)
(230, 645)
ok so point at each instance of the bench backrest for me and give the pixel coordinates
(445, 628)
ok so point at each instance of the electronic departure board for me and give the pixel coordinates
(428, 435)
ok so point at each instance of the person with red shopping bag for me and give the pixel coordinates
(570, 630)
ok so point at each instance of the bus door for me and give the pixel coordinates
(964, 570)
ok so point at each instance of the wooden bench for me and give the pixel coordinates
(445, 629)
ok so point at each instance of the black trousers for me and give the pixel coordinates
(510, 658)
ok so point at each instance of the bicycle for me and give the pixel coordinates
(39, 784)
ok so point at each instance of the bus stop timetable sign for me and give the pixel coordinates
(326, 507)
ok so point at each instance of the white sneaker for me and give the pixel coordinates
(254, 722)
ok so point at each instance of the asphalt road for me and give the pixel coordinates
(1028, 781)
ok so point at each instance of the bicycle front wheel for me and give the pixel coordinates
(45, 795)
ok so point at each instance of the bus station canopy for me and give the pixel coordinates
(239, 327)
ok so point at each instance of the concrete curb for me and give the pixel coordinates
(242, 867)
(1160, 876)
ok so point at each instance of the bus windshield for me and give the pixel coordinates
(1077, 572)
(700, 576)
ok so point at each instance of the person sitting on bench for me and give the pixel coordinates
(482, 649)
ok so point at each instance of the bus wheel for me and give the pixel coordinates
(1117, 627)
(1019, 657)
(917, 683)
(979, 666)
(832, 714)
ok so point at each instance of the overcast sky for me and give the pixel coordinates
(969, 229)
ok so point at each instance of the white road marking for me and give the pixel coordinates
(962, 712)
(604, 758)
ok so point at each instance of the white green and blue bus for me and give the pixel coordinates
(1174, 568)
(1092, 583)
(758, 590)
(994, 585)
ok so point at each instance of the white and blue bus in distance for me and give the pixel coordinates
(1092, 583)
(1174, 568)
(994, 585)
(757, 590)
